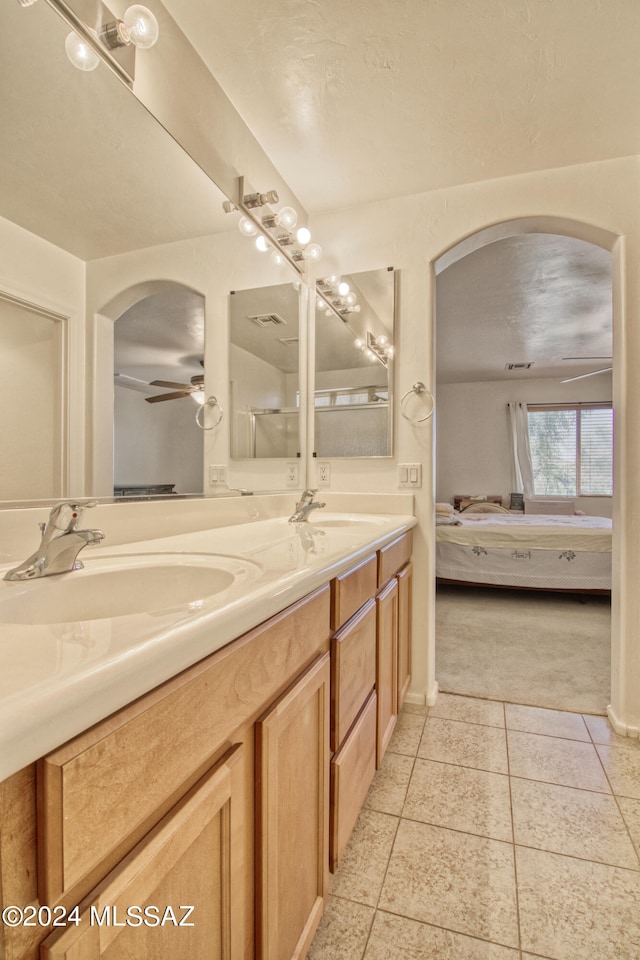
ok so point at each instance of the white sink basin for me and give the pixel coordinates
(320, 521)
(117, 586)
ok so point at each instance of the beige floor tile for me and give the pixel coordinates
(601, 730)
(397, 938)
(631, 813)
(467, 744)
(450, 706)
(622, 763)
(460, 798)
(453, 880)
(389, 788)
(577, 910)
(578, 823)
(417, 709)
(552, 723)
(343, 931)
(362, 867)
(567, 762)
(407, 733)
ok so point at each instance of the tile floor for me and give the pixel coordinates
(493, 832)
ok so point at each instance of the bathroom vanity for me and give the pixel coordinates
(230, 787)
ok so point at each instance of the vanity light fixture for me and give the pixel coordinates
(375, 348)
(109, 38)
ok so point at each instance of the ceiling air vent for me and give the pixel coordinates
(268, 320)
(519, 366)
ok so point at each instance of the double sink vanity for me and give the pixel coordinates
(193, 720)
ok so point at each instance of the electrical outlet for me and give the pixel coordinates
(293, 473)
(410, 475)
(217, 474)
(323, 473)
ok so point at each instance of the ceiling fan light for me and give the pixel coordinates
(198, 396)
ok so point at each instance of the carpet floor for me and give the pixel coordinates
(541, 649)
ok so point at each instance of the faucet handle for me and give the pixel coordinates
(67, 514)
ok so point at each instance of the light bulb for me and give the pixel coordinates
(313, 252)
(198, 396)
(381, 340)
(350, 298)
(277, 258)
(80, 53)
(142, 26)
(287, 218)
(389, 351)
(359, 343)
(247, 227)
(333, 280)
(26, 3)
(343, 288)
(303, 235)
(328, 312)
(320, 304)
(370, 355)
(262, 244)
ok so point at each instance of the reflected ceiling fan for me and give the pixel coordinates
(592, 373)
(193, 389)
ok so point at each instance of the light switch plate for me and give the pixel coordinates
(410, 475)
(217, 474)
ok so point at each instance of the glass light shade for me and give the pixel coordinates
(303, 235)
(198, 396)
(81, 55)
(262, 244)
(246, 227)
(287, 218)
(141, 25)
(343, 288)
(313, 252)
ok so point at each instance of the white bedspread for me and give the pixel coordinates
(535, 531)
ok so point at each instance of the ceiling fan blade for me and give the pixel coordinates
(168, 396)
(582, 376)
(170, 383)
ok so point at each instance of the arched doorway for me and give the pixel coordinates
(527, 294)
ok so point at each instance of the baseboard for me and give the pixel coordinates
(623, 729)
(432, 695)
(421, 699)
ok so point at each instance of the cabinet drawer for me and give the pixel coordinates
(352, 771)
(140, 761)
(353, 670)
(351, 590)
(394, 556)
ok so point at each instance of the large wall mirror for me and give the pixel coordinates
(264, 365)
(354, 333)
(110, 227)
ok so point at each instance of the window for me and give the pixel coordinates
(572, 450)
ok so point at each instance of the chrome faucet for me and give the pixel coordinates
(304, 506)
(61, 543)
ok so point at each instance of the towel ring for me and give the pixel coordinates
(418, 389)
(209, 402)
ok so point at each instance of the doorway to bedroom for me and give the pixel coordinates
(524, 319)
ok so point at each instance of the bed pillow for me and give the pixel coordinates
(484, 507)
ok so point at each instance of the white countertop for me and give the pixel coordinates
(57, 679)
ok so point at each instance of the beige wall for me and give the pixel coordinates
(597, 201)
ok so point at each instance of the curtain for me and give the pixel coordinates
(522, 469)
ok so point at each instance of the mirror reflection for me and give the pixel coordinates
(354, 333)
(92, 188)
(264, 368)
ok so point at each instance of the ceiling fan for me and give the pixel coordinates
(592, 373)
(179, 389)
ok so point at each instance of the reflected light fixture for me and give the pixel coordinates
(26, 3)
(81, 55)
(273, 228)
(86, 45)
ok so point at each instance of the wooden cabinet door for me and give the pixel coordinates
(387, 665)
(405, 580)
(193, 858)
(292, 800)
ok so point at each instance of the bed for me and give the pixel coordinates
(540, 552)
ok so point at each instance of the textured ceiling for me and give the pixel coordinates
(371, 99)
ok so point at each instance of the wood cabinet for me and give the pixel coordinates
(158, 803)
(405, 597)
(292, 842)
(387, 666)
(177, 893)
